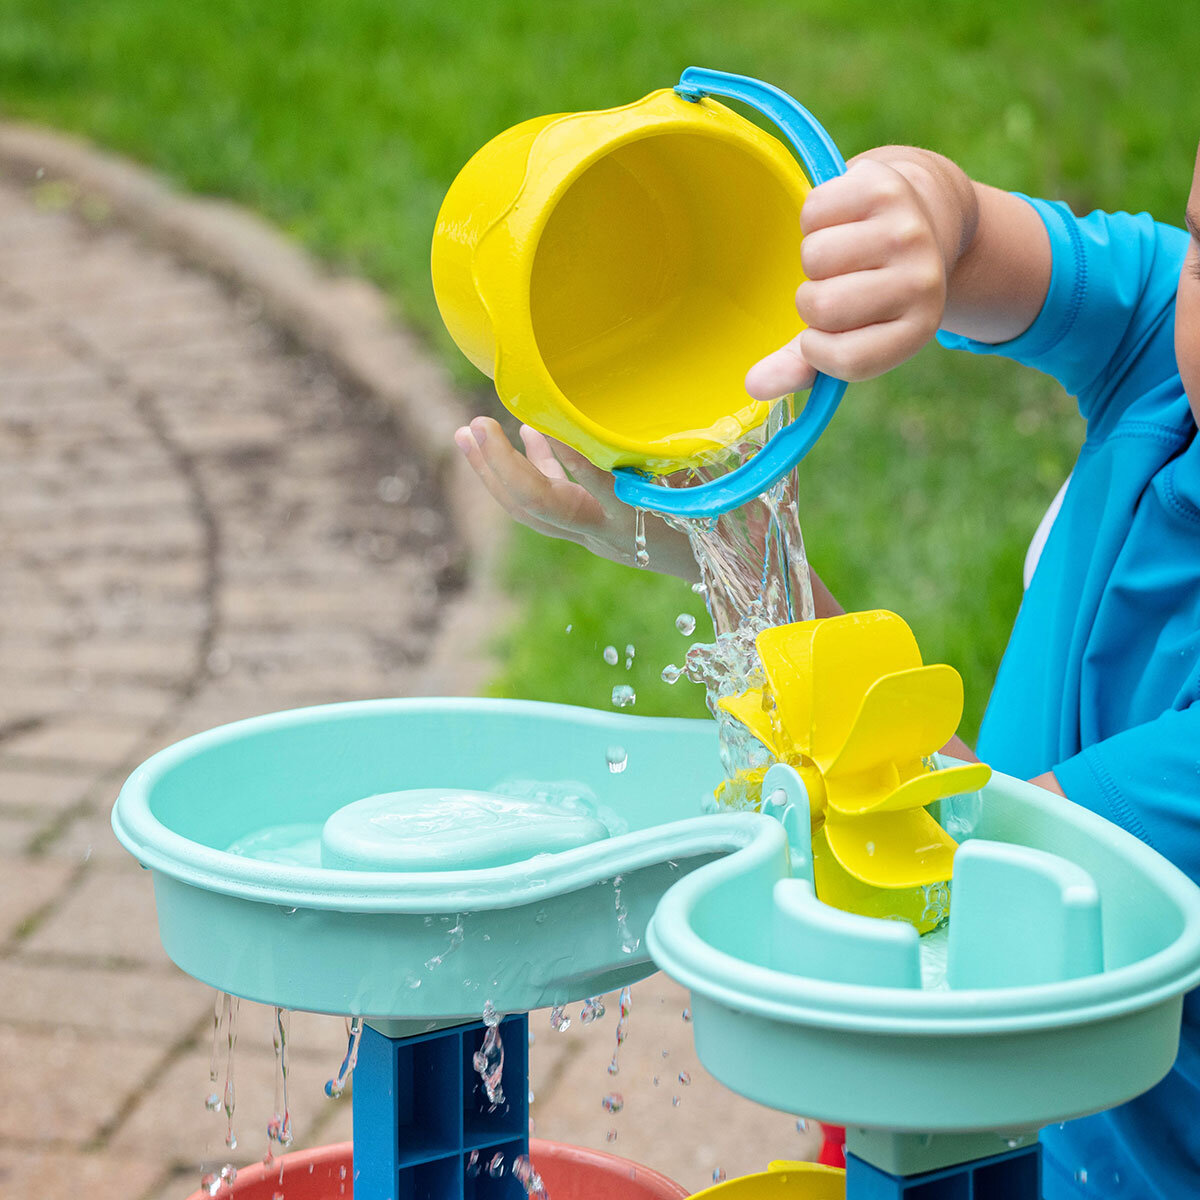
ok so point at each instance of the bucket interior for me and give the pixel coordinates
(666, 269)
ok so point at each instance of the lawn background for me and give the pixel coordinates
(345, 121)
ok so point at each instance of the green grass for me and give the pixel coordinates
(345, 121)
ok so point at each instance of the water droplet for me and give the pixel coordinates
(655, 1081)
(473, 1164)
(801, 1125)
(569, 628)
(719, 1175)
(622, 697)
(593, 1009)
(618, 759)
(613, 1102)
(686, 624)
(611, 656)
(641, 555)
(674, 1101)
(671, 673)
(212, 1102)
(687, 1015)
(559, 1021)
(496, 1166)
(685, 1078)
(700, 589)
(491, 1018)
(870, 848)
(630, 654)
(611, 1135)
(1081, 1176)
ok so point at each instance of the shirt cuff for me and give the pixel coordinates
(1064, 298)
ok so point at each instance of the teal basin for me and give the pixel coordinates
(1070, 947)
(483, 923)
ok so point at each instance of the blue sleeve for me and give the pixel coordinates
(1106, 328)
(1147, 780)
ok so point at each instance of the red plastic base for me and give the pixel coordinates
(569, 1172)
(833, 1147)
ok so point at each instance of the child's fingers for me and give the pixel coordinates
(553, 501)
(597, 480)
(539, 452)
(786, 370)
(466, 441)
(865, 188)
(852, 301)
(866, 352)
(843, 249)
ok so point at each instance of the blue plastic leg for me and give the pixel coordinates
(424, 1128)
(1016, 1175)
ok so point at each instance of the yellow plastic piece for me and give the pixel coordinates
(850, 705)
(783, 1181)
(617, 271)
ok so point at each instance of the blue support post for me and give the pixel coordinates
(423, 1126)
(1016, 1175)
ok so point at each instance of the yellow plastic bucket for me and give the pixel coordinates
(618, 272)
(784, 1181)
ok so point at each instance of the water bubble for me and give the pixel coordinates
(611, 1135)
(618, 759)
(623, 696)
(685, 1078)
(686, 624)
(496, 1166)
(671, 673)
(613, 1102)
(719, 1175)
(559, 1021)
(611, 656)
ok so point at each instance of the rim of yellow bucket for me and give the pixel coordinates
(506, 251)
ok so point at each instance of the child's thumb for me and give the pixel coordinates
(783, 371)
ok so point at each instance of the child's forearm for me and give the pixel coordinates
(994, 245)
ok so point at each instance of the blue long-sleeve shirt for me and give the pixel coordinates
(1101, 679)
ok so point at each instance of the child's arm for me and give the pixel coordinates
(901, 245)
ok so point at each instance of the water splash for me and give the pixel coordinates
(525, 1174)
(488, 1060)
(593, 1009)
(457, 932)
(630, 942)
(228, 1095)
(279, 1127)
(625, 1005)
(337, 1085)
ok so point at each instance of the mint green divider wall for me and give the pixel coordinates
(1021, 916)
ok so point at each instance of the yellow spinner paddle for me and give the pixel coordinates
(849, 704)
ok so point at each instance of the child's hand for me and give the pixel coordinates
(878, 244)
(555, 491)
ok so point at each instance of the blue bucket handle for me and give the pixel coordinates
(822, 161)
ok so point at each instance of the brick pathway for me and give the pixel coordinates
(198, 524)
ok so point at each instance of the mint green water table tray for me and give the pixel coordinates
(1069, 949)
(410, 860)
